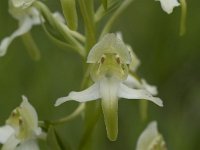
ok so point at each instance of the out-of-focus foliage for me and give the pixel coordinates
(167, 60)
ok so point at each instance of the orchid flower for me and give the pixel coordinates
(21, 129)
(151, 139)
(168, 5)
(27, 16)
(109, 60)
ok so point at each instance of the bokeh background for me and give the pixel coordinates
(167, 60)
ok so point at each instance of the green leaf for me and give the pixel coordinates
(100, 13)
(70, 13)
(92, 114)
(105, 4)
(54, 142)
(114, 16)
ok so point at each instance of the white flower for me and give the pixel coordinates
(168, 5)
(21, 129)
(26, 15)
(109, 61)
(151, 139)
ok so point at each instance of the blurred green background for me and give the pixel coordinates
(167, 60)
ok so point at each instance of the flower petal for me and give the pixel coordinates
(150, 88)
(24, 27)
(22, 3)
(168, 5)
(135, 62)
(147, 136)
(29, 114)
(34, 16)
(11, 143)
(89, 94)
(57, 15)
(108, 91)
(5, 132)
(111, 44)
(132, 82)
(28, 145)
(151, 139)
(128, 93)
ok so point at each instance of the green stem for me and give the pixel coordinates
(75, 34)
(143, 104)
(58, 42)
(73, 115)
(183, 17)
(92, 114)
(100, 13)
(31, 46)
(87, 11)
(59, 26)
(113, 18)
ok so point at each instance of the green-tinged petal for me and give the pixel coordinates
(111, 44)
(20, 13)
(29, 114)
(151, 139)
(108, 91)
(11, 143)
(5, 132)
(22, 3)
(129, 93)
(58, 16)
(168, 5)
(25, 121)
(28, 145)
(89, 94)
(110, 65)
(23, 28)
(147, 136)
